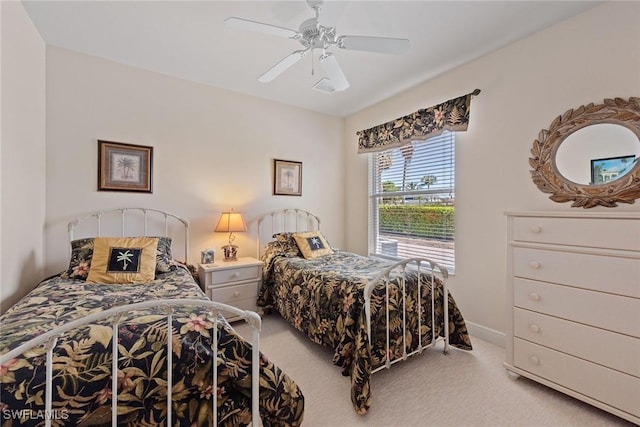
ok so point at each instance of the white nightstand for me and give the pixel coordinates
(235, 282)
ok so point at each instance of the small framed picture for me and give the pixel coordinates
(124, 167)
(207, 256)
(287, 178)
(611, 168)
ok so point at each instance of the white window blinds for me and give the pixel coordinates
(411, 200)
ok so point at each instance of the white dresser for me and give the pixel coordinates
(573, 305)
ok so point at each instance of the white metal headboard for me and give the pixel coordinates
(146, 221)
(284, 220)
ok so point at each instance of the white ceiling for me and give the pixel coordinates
(189, 40)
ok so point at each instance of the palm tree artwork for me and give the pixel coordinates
(125, 258)
(127, 166)
(288, 178)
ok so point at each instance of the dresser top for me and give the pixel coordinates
(578, 214)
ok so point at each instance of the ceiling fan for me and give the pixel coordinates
(312, 35)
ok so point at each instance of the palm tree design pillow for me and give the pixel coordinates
(123, 260)
(312, 244)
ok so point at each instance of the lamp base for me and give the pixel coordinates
(230, 252)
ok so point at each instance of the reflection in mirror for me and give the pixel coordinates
(580, 156)
(597, 143)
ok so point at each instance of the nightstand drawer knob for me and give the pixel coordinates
(534, 264)
(534, 328)
(236, 294)
(535, 229)
(235, 275)
(534, 360)
(534, 296)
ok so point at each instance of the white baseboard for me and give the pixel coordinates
(486, 334)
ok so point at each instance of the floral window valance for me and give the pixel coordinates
(451, 115)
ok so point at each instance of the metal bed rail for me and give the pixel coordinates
(428, 272)
(49, 340)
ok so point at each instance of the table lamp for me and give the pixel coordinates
(230, 222)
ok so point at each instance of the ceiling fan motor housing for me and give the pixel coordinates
(316, 36)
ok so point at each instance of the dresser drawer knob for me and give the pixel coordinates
(534, 360)
(236, 294)
(234, 275)
(534, 264)
(534, 296)
(534, 328)
(535, 229)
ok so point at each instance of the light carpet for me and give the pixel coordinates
(463, 388)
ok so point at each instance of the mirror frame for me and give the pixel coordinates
(546, 176)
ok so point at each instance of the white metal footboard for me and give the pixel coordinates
(398, 273)
(115, 315)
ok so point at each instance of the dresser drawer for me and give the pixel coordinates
(606, 311)
(236, 274)
(616, 351)
(616, 275)
(606, 385)
(611, 233)
(231, 294)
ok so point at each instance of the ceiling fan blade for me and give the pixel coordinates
(282, 66)
(334, 72)
(374, 44)
(261, 27)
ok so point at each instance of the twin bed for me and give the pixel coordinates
(70, 346)
(74, 352)
(372, 312)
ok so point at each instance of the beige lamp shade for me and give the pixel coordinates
(231, 222)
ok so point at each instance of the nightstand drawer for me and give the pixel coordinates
(230, 294)
(237, 274)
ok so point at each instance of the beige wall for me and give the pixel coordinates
(213, 148)
(525, 85)
(22, 156)
(213, 151)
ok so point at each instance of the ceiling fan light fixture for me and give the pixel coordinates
(324, 85)
(334, 72)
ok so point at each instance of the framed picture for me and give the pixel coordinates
(287, 178)
(609, 169)
(207, 256)
(124, 167)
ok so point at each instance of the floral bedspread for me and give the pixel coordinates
(82, 361)
(324, 298)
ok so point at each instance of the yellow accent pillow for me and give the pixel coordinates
(312, 244)
(123, 260)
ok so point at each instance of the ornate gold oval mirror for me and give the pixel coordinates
(591, 155)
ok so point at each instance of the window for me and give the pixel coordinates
(411, 201)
